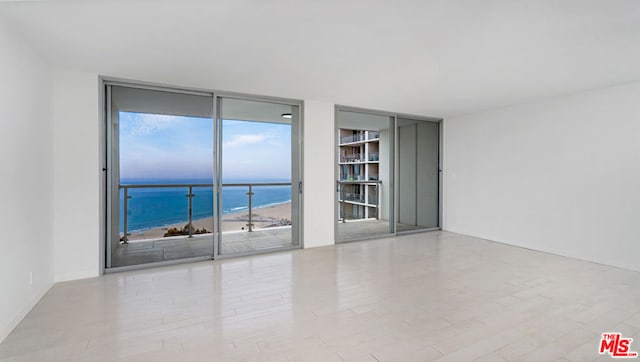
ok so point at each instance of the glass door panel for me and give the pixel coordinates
(418, 175)
(161, 176)
(365, 175)
(258, 176)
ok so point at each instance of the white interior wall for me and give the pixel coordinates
(559, 175)
(319, 165)
(26, 191)
(77, 175)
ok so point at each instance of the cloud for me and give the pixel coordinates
(245, 139)
(145, 124)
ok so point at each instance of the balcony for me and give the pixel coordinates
(360, 137)
(244, 228)
(355, 197)
(352, 138)
(355, 158)
(353, 178)
(350, 193)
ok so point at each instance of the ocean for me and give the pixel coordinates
(155, 207)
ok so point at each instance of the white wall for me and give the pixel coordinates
(560, 175)
(319, 178)
(76, 114)
(26, 191)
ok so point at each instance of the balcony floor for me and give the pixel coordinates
(173, 248)
(366, 228)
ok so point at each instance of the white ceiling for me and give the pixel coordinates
(436, 58)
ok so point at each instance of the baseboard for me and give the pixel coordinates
(603, 261)
(6, 330)
(76, 275)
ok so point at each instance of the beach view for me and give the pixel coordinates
(166, 186)
(262, 218)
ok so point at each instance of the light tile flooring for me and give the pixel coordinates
(180, 247)
(413, 298)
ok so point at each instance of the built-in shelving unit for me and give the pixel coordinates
(359, 184)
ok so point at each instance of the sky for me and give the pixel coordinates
(164, 147)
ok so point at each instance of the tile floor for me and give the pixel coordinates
(421, 297)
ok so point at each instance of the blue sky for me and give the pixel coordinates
(172, 147)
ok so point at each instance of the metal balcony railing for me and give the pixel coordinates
(352, 158)
(353, 178)
(352, 138)
(355, 197)
(371, 135)
(190, 195)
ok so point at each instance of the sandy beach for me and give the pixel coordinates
(263, 217)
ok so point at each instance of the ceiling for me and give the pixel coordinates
(432, 58)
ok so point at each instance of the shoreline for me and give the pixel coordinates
(240, 210)
(262, 217)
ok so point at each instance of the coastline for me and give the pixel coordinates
(263, 217)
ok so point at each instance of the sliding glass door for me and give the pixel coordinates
(161, 172)
(387, 174)
(259, 181)
(193, 175)
(364, 185)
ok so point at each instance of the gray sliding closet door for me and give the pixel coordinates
(418, 175)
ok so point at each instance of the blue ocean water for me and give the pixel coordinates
(155, 207)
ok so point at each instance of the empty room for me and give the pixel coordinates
(331, 180)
